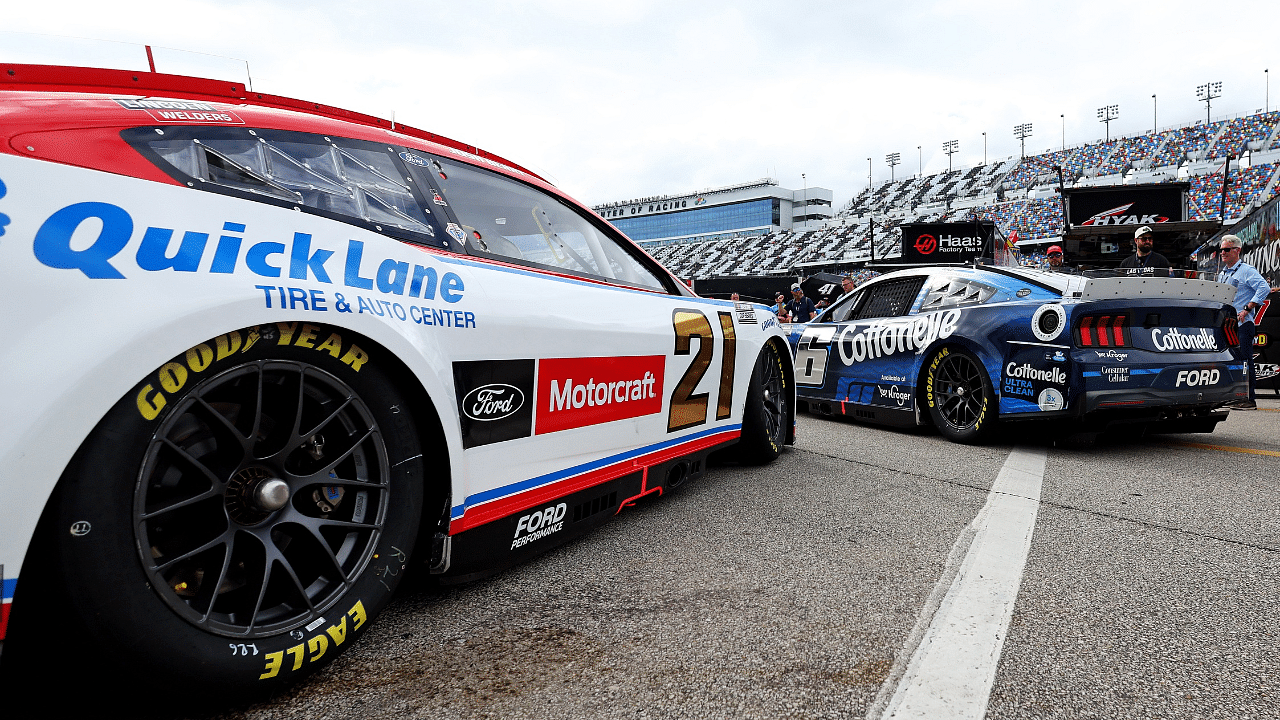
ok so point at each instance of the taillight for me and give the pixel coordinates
(1100, 330)
(1229, 327)
(1084, 332)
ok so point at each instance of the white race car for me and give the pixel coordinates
(260, 355)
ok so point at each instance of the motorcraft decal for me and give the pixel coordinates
(495, 400)
(577, 392)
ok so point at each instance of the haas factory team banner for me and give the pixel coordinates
(935, 243)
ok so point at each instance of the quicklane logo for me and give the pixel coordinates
(193, 251)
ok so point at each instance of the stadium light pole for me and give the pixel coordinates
(1106, 114)
(1155, 121)
(1207, 93)
(1266, 73)
(984, 148)
(892, 159)
(1022, 132)
(805, 217)
(1063, 118)
(950, 147)
(869, 182)
(920, 159)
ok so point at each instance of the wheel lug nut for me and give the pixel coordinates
(271, 495)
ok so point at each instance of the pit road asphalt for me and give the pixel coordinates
(1151, 589)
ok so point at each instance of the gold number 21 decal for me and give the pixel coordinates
(687, 408)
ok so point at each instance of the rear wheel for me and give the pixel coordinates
(764, 419)
(959, 396)
(236, 520)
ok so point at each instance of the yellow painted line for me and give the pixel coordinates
(1227, 448)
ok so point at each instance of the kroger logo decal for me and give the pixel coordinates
(493, 402)
(1172, 339)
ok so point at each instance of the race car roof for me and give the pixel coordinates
(95, 82)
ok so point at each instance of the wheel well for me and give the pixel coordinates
(437, 472)
(925, 417)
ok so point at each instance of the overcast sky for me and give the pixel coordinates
(621, 99)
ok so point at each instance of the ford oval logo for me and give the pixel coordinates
(493, 402)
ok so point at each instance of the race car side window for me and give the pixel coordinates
(508, 219)
(354, 181)
(890, 298)
(948, 290)
(845, 307)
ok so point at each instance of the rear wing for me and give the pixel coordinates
(1139, 286)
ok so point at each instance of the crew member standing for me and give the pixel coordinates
(801, 308)
(1144, 258)
(1251, 291)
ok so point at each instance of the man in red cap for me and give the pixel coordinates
(1055, 258)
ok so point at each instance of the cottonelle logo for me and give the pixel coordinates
(1173, 339)
(576, 392)
(1116, 216)
(1029, 372)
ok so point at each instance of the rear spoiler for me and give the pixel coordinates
(1114, 288)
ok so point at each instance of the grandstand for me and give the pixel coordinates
(1018, 194)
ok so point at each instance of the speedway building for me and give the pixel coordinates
(735, 211)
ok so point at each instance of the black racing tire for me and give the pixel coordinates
(232, 524)
(959, 396)
(765, 416)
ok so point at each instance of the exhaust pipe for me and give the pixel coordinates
(677, 474)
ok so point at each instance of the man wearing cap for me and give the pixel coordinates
(1251, 291)
(1055, 258)
(1144, 258)
(800, 307)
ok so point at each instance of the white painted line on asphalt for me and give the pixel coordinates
(955, 651)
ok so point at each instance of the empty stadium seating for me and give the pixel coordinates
(1015, 193)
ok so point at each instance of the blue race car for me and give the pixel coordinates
(962, 348)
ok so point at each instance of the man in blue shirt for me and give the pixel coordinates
(1251, 291)
(801, 308)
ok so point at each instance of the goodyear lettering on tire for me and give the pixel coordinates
(315, 647)
(173, 376)
(933, 369)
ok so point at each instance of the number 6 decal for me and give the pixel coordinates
(687, 408)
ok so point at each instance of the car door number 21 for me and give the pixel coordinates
(688, 408)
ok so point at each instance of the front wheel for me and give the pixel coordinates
(235, 521)
(764, 419)
(959, 396)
